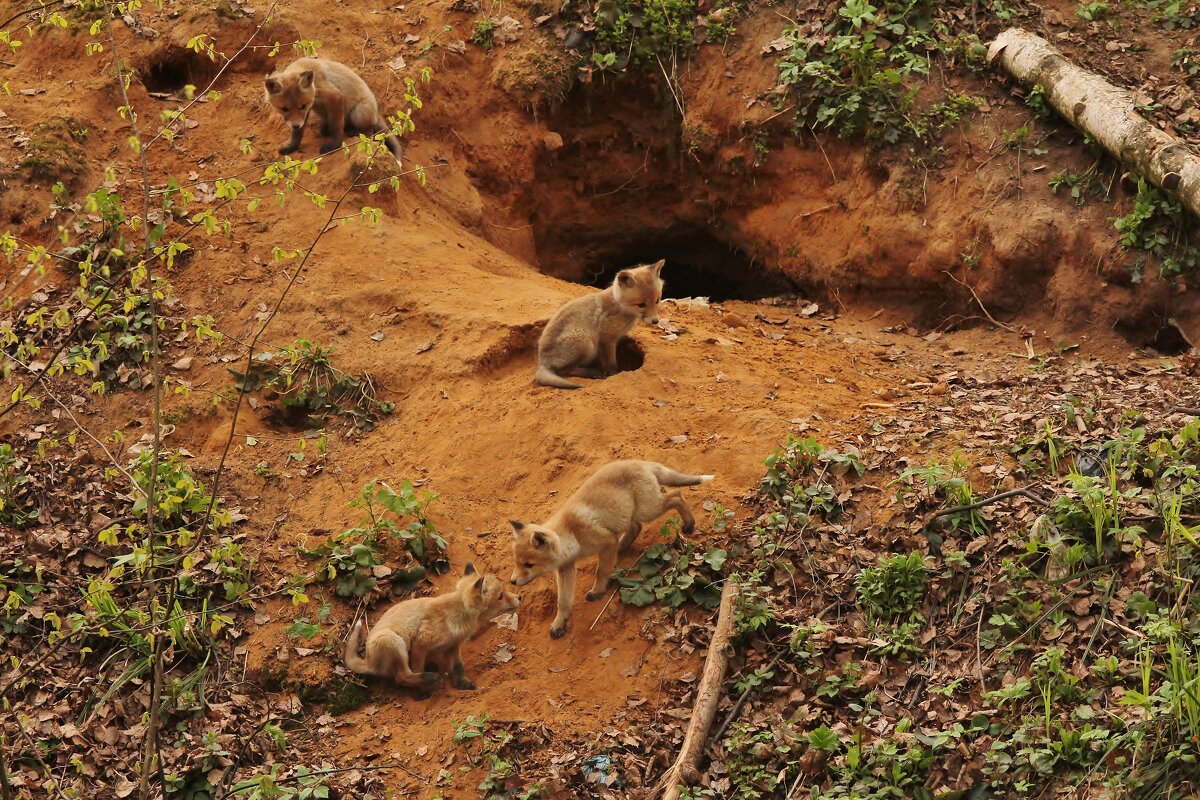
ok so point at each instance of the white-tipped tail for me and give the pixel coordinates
(669, 477)
(354, 661)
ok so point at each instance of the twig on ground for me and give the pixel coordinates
(1023, 491)
(708, 694)
(982, 307)
(828, 163)
(601, 614)
(5, 789)
(1124, 629)
(741, 701)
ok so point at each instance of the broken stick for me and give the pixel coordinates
(1106, 112)
(685, 770)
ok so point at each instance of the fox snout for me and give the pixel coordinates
(651, 320)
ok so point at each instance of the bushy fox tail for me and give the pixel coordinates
(353, 660)
(547, 377)
(669, 477)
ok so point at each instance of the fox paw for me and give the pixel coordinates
(330, 147)
(688, 527)
(464, 683)
(595, 595)
(558, 630)
(430, 680)
(287, 149)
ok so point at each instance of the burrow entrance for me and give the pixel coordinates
(171, 69)
(698, 265)
(1156, 333)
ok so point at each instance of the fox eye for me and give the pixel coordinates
(528, 565)
(285, 108)
(641, 305)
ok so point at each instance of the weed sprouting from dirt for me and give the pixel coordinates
(309, 386)
(1158, 226)
(636, 33)
(353, 559)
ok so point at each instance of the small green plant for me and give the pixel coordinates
(1092, 512)
(641, 32)
(1160, 227)
(672, 574)
(1079, 185)
(471, 728)
(1187, 61)
(1093, 11)
(852, 77)
(305, 784)
(948, 484)
(14, 506)
(1036, 100)
(799, 477)
(754, 681)
(493, 747)
(892, 591)
(483, 33)
(351, 559)
(1175, 14)
(310, 387)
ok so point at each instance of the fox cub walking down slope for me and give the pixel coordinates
(586, 330)
(412, 631)
(336, 94)
(604, 516)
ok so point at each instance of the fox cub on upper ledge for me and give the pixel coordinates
(582, 337)
(336, 94)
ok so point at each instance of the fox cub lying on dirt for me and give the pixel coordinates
(582, 337)
(336, 94)
(412, 631)
(604, 516)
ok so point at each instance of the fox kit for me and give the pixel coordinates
(604, 516)
(336, 94)
(582, 337)
(411, 631)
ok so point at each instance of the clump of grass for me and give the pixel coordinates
(303, 376)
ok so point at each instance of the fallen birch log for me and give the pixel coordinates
(685, 770)
(1105, 112)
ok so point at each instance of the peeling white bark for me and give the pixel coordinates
(1104, 111)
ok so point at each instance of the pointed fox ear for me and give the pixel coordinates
(539, 539)
(470, 569)
(624, 278)
(478, 587)
(656, 267)
(273, 85)
(517, 526)
(306, 79)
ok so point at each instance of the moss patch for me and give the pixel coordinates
(54, 152)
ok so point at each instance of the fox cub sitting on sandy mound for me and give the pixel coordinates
(586, 330)
(604, 516)
(336, 94)
(412, 631)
